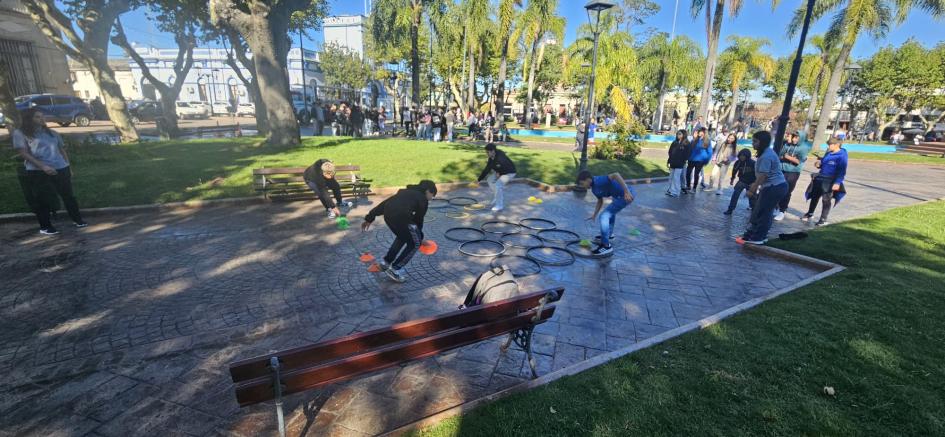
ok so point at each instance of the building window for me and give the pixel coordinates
(22, 65)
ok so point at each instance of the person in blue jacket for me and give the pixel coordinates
(700, 156)
(827, 184)
(615, 187)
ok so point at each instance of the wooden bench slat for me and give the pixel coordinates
(294, 170)
(294, 381)
(329, 350)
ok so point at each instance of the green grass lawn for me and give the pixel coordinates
(873, 332)
(114, 175)
(905, 158)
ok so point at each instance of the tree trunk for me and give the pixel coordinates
(471, 83)
(239, 50)
(272, 81)
(7, 105)
(114, 101)
(713, 41)
(500, 81)
(734, 108)
(415, 56)
(533, 68)
(812, 108)
(833, 85)
(658, 117)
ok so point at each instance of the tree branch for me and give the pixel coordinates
(120, 40)
(227, 13)
(53, 23)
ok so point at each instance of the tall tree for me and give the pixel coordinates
(475, 16)
(88, 46)
(181, 19)
(743, 60)
(669, 64)
(850, 18)
(394, 21)
(265, 24)
(507, 13)
(539, 21)
(343, 67)
(237, 57)
(713, 30)
(824, 52)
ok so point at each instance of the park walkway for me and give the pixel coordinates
(127, 327)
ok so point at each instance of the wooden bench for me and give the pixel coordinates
(271, 376)
(288, 183)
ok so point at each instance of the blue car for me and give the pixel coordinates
(64, 110)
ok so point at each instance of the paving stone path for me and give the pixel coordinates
(127, 327)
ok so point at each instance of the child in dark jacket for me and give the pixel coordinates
(403, 213)
(744, 170)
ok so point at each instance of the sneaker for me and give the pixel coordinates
(348, 204)
(755, 242)
(727, 212)
(672, 195)
(597, 238)
(807, 217)
(49, 231)
(383, 265)
(822, 223)
(497, 209)
(778, 216)
(81, 224)
(685, 191)
(603, 250)
(708, 189)
(331, 214)
(397, 275)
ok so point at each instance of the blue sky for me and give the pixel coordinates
(756, 19)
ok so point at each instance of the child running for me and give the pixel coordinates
(403, 213)
(613, 186)
(744, 170)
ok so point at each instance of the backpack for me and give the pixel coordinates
(496, 284)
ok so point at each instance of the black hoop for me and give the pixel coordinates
(504, 241)
(517, 226)
(538, 224)
(581, 251)
(497, 263)
(446, 234)
(462, 201)
(570, 261)
(500, 245)
(575, 236)
(440, 203)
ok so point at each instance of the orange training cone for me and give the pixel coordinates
(428, 247)
(367, 257)
(374, 268)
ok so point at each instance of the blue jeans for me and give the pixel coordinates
(739, 187)
(607, 219)
(762, 214)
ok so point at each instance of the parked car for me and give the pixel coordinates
(247, 109)
(64, 110)
(221, 108)
(188, 110)
(145, 111)
(201, 105)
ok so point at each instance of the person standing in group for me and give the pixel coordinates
(403, 213)
(579, 138)
(744, 170)
(499, 171)
(473, 124)
(725, 154)
(488, 122)
(793, 155)
(319, 114)
(827, 184)
(47, 169)
(436, 123)
(421, 127)
(320, 177)
(679, 152)
(406, 118)
(698, 158)
(769, 187)
(621, 194)
(357, 121)
(382, 120)
(450, 122)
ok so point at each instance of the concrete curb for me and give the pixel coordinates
(652, 341)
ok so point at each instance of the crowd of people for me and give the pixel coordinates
(347, 119)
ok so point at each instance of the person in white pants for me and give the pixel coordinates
(499, 172)
(725, 155)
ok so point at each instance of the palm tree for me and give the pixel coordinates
(670, 64)
(393, 22)
(742, 60)
(475, 16)
(506, 18)
(818, 65)
(713, 29)
(538, 21)
(849, 19)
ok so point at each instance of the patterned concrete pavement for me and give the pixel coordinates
(127, 327)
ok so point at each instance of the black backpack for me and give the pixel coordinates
(496, 284)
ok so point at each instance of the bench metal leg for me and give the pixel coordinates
(523, 339)
(277, 386)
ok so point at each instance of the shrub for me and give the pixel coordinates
(624, 141)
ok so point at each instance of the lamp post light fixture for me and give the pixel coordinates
(851, 70)
(594, 8)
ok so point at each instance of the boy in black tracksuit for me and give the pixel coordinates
(403, 213)
(320, 177)
(744, 170)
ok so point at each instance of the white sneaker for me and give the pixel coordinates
(331, 214)
(779, 216)
(348, 204)
(397, 275)
(497, 208)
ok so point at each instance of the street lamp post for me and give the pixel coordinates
(851, 70)
(595, 6)
(792, 82)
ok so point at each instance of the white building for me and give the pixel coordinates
(84, 85)
(346, 31)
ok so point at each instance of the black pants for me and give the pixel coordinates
(693, 167)
(333, 186)
(406, 244)
(791, 183)
(739, 187)
(821, 191)
(46, 187)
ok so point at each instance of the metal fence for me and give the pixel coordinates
(22, 66)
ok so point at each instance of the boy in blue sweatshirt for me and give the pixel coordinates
(827, 185)
(621, 194)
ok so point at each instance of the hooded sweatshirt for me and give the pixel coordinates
(501, 164)
(408, 206)
(700, 153)
(679, 152)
